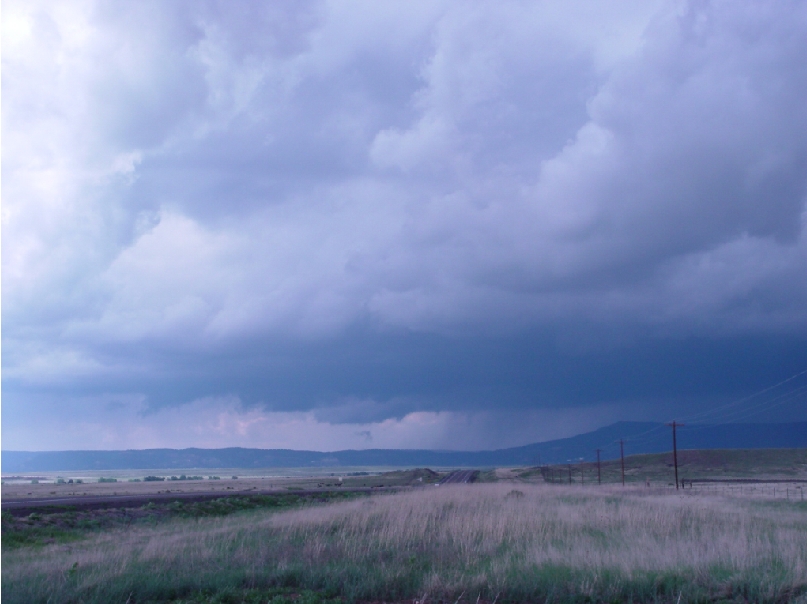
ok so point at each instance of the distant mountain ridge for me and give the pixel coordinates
(639, 437)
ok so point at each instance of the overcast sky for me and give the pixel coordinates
(464, 225)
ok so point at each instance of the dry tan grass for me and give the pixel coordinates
(95, 489)
(449, 539)
(580, 528)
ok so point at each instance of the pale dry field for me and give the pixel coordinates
(14, 488)
(452, 542)
(96, 489)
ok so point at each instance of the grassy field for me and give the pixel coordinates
(226, 481)
(353, 474)
(657, 469)
(465, 543)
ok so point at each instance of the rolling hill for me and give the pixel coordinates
(639, 438)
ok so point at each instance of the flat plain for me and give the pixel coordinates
(226, 481)
(515, 538)
(449, 543)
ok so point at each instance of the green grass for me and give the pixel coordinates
(452, 543)
(274, 595)
(65, 524)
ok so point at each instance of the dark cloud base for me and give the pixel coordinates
(369, 377)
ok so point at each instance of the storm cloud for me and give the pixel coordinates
(447, 224)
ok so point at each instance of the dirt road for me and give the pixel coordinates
(23, 507)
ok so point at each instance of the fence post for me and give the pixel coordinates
(599, 477)
(622, 459)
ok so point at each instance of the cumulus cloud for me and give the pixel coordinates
(187, 182)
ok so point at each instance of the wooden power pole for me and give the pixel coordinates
(599, 477)
(674, 425)
(622, 458)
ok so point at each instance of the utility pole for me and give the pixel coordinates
(599, 477)
(675, 452)
(622, 458)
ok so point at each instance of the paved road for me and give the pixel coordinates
(460, 477)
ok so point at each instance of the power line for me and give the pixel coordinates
(794, 396)
(718, 414)
(762, 405)
(674, 425)
(708, 412)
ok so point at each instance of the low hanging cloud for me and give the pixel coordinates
(114, 422)
(272, 203)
